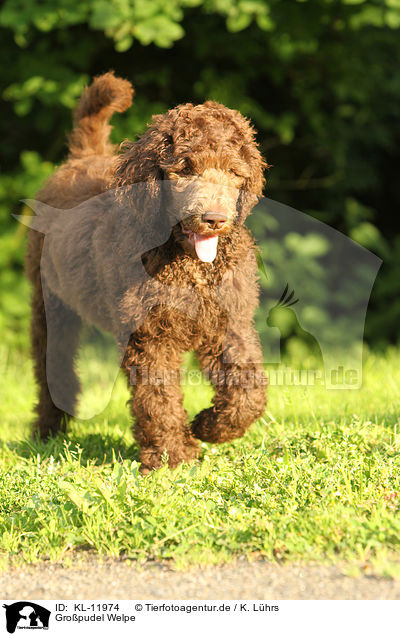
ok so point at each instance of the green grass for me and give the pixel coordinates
(317, 479)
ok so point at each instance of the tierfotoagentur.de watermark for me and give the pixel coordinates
(315, 285)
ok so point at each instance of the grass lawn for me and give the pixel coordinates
(316, 479)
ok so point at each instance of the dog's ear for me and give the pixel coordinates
(138, 176)
(138, 186)
(253, 186)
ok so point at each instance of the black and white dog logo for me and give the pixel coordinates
(26, 615)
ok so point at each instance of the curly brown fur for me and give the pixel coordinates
(196, 162)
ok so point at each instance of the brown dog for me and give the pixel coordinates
(151, 246)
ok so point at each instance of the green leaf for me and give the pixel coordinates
(238, 22)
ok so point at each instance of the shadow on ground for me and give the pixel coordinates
(98, 447)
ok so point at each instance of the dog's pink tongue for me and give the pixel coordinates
(206, 247)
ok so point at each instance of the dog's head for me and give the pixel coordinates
(205, 161)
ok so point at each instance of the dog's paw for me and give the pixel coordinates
(153, 457)
(203, 426)
(215, 426)
(45, 427)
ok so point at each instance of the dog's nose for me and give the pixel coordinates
(215, 220)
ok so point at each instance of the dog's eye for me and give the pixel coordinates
(186, 170)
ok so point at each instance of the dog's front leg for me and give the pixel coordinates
(240, 386)
(161, 429)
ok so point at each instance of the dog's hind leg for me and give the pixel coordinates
(55, 338)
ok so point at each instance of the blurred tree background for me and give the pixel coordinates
(320, 80)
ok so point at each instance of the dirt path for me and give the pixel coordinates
(115, 579)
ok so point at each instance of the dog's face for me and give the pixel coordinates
(209, 205)
(210, 167)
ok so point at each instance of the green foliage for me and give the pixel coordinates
(318, 78)
(14, 291)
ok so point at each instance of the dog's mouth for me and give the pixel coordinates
(205, 245)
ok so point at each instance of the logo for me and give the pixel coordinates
(26, 615)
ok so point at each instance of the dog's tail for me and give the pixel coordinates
(90, 134)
